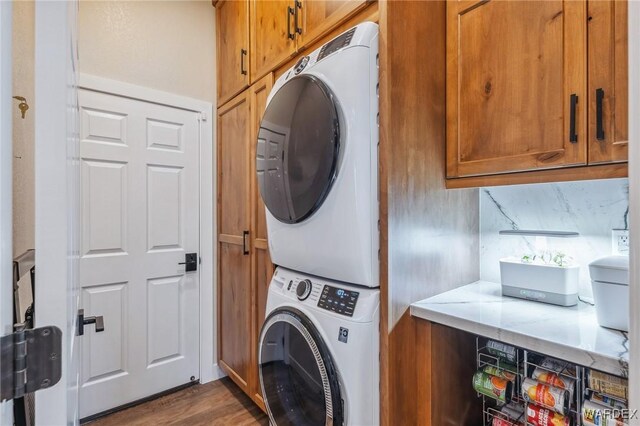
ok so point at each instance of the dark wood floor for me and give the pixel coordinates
(215, 403)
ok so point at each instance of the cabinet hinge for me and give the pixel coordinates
(203, 116)
(30, 361)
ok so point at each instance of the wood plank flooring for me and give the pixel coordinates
(215, 403)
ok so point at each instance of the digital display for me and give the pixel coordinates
(336, 44)
(338, 300)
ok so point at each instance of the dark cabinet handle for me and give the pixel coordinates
(599, 124)
(290, 11)
(245, 245)
(295, 21)
(573, 136)
(243, 53)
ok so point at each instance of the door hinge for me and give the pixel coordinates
(203, 116)
(31, 360)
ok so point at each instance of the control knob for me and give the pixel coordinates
(303, 290)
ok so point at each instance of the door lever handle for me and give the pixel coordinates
(82, 321)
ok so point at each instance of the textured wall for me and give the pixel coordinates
(23, 130)
(165, 45)
(592, 208)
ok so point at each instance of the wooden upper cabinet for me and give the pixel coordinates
(608, 81)
(233, 48)
(316, 17)
(513, 69)
(272, 35)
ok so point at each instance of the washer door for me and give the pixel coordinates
(298, 146)
(299, 380)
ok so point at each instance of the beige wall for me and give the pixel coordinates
(23, 129)
(166, 45)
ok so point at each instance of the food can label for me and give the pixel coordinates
(540, 416)
(493, 386)
(545, 395)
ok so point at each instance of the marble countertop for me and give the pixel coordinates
(570, 333)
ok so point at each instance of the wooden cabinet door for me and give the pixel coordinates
(316, 17)
(608, 81)
(233, 48)
(272, 35)
(512, 68)
(234, 261)
(262, 268)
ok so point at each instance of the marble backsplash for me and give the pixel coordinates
(592, 208)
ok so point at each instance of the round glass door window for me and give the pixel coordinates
(299, 382)
(297, 149)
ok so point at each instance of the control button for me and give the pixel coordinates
(303, 290)
(301, 64)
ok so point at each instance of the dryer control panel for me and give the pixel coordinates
(338, 300)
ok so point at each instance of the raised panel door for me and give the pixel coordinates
(262, 268)
(234, 245)
(232, 48)
(608, 81)
(272, 35)
(139, 161)
(516, 86)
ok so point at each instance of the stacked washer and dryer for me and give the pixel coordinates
(317, 165)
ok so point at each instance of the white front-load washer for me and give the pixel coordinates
(318, 352)
(317, 161)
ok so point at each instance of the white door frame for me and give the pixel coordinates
(634, 206)
(6, 187)
(208, 363)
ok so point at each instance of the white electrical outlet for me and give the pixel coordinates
(620, 241)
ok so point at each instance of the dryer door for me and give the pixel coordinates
(298, 146)
(299, 380)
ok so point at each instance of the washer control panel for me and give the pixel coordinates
(338, 300)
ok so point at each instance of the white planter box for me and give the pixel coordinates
(543, 283)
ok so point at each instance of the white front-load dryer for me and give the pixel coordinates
(317, 161)
(318, 352)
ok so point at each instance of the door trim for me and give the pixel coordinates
(209, 369)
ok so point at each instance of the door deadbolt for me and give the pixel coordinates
(190, 262)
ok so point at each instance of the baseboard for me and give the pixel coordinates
(218, 373)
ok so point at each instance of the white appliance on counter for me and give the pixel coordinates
(543, 275)
(317, 161)
(318, 352)
(610, 283)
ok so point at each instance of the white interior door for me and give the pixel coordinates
(140, 216)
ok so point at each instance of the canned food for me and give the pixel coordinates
(594, 414)
(502, 350)
(540, 416)
(606, 383)
(514, 411)
(555, 380)
(500, 372)
(493, 386)
(608, 401)
(499, 421)
(546, 395)
(558, 366)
